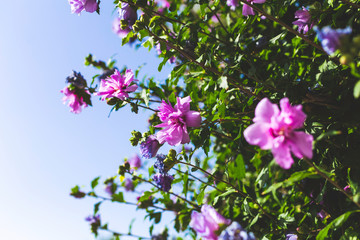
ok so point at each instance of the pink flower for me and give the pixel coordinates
(175, 122)
(117, 85)
(247, 10)
(77, 6)
(207, 222)
(76, 101)
(232, 4)
(116, 27)
(303, 20)
(135, 161)
(274, 129)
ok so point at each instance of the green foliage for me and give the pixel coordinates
(227, 63)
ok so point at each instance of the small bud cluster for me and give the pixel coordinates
(236, 232)
(163, 179)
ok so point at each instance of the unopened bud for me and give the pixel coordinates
(346, 59)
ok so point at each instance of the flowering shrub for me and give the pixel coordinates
(246, 78)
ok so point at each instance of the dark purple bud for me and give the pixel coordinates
(127, 13)
(77, 80)
(149, 148)
(128, 185)
(163, 181)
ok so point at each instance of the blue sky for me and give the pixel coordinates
(44, 149)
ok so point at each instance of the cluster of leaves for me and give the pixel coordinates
(226, 63)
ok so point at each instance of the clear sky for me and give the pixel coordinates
(44, 149)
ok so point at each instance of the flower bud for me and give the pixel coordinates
(346, 59)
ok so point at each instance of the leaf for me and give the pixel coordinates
(118, 197)
(327, 134)
(295, 177)
(145, 95)
(240, 167)
(96, 207)
(338, 222)
(95, 182)
(223, 82)
(357, 90)
(200, 197)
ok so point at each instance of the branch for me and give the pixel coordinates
(331, 181)
(229, 184)
(290, 29)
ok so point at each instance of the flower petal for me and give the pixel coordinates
(302, 144)
(247, 10)
(281, 152)
(259, 134)
(265, 110)
(193, 119)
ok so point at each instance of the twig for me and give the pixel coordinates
(236, 190)
(331, 181)
(290, 29)
(198, 179)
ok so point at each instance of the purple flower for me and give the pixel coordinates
(331, 38)
(303, 20)
(128, 185)
(110, 188)
(75, 100)
(127, 13)
(135, 161)
(117, 85)
(291, 237)
(93, 219)
(176, 120)
(77, 6)
(116, 27)
(274, 129)
(149, 147)
(207, 222)
(159, 164)
(347, 189)
(232, 4)
(236, 232)
(77, 80)
(163, 181)
(163, 3)
(247, 10)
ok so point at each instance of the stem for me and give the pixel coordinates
(229, 184)
(172, 193)
(217, 17)
(141, 106)
(199, 180)
(193, 60)
(150, 100)
(331, 181)
(290, 29)
(123, 234)
(129, 203)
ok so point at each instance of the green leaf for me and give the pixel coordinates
(95, 182)
(200, 196)
(357, 90)
(118, 197)
(96, 207)
(145, 94)
(295, 177)
(240, 167)
(338, 222)
(223, 82)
